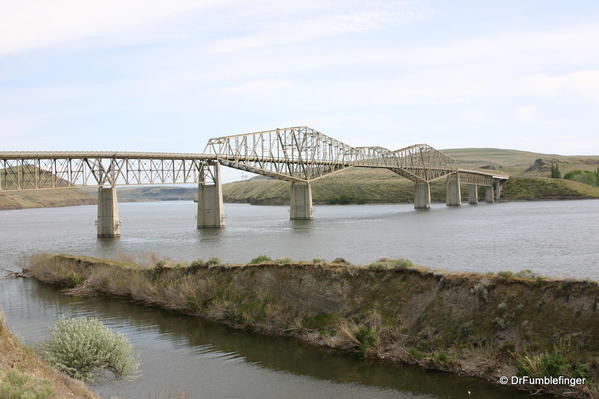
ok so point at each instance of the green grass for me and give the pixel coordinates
(14, 384)
(360, 186)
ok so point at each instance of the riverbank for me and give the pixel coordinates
(21, 371)
(480, 325)
(44, 198)
(349, 187)
(361, 186)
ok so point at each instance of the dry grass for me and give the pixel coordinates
(15, 356)
(459, 322)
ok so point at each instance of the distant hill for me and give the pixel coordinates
(355, 185)
(44, 198)
(361, 185)
(520, 163)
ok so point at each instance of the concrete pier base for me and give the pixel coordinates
(498, 189)
(109, 224)
(422, 196)
(300, 201)
(454, 193)
(489, 195)
(472, 194)
(210, 201)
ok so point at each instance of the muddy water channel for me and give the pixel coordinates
(183, 354)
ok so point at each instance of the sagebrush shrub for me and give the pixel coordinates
(84, 346)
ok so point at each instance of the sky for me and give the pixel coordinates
(155, 75)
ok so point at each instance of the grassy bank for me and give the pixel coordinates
(24, 375)
(358, 186)
(479, 325)
(44, 198)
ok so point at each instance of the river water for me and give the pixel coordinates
(205, 360)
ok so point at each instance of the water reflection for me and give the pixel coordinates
(184, 352)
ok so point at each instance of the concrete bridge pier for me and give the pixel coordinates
(454, 193)
(300, 201)
(210, 199)
(472, 194)
(498, 190)
(489, 195)
(422, 196)
(109, 224)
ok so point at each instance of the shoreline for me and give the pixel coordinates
(315, 203)
(333, 305)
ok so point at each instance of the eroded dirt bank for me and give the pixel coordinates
(480, 325)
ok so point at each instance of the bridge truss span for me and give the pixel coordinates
(39, 170)
(299, 155)
(295, 154)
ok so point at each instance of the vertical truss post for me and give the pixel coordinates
(210, 197)
(454, 193)
(300, 201)
(109, 224)
(422, 195)
(472, 194)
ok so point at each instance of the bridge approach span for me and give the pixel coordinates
(299, 155)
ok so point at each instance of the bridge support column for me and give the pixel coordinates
(498, 190)
(301, 201)
(454, 193)
(422, 196)
(109, 224)
(210, 199)
(472, 194)
(489, 195)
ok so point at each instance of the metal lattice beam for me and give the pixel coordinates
(295, 154)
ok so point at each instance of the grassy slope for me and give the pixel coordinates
(15, 356)
(515, 162)
(44, 198)
(372, 186)
(473, 324)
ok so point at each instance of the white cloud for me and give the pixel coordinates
(262, 86)
(27, 24)
(582, 83)
(530, 114)
(292, 31)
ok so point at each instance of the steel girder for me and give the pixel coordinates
(304, 154)
(295, 154)
(25, 174)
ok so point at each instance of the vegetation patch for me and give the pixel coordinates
(82, 347)
(462, 322)
(14, 384)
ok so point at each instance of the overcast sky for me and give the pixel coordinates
(156, 75)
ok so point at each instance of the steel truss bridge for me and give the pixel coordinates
(299, 155)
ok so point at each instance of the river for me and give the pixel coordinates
(205, 360)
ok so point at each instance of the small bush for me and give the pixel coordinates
(198, 263)
(368, 338)
(84, 346)
(545, 364)
(283, 261)
(415, 353)
(261, 259)
(16, 385)
(212, 262)
(528, 275)
(388, 264)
